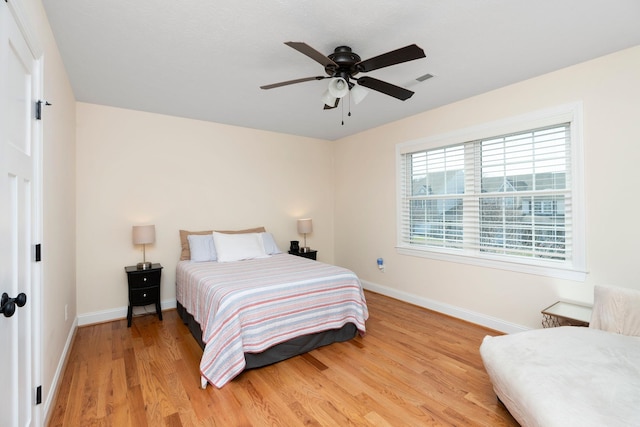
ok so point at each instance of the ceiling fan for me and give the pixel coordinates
(343, 65)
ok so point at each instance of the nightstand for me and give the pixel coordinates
(566, 314)
(144, 288)
(311, 254)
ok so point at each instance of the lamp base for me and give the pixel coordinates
(143, 265)
(305, 249)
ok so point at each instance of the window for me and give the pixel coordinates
(509, 200)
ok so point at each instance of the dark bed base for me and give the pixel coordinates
(282, 351)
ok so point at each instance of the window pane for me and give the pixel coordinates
(439, 171)
(523, 226)
(526, 161)
(436, 220)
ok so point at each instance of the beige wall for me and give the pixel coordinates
(140, 168)
(365, 224)
(58, 238)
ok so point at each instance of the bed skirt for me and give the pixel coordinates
(282, 351)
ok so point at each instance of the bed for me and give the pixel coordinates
(255, 311)
(570, 375)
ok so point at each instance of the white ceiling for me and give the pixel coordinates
(206, 59)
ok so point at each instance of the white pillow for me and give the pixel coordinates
(201, 247)
(236, 247)
(270, 246)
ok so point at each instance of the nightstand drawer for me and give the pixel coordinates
(144, 279)
(144, 296)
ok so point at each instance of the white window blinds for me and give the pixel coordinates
(506, 197)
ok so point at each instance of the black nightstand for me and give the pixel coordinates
(311, 254)
(144, 288)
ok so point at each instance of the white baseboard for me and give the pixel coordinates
(119, 313)
(53, 391)
(450, 310)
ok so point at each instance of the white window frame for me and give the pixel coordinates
(572, 269)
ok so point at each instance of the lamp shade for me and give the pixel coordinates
(327, 99)
(358, 93)
(338, 87)
(143, 234)
(305, 226)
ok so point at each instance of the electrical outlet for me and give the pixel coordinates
(66, 312)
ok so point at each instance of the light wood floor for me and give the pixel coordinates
(414, 367)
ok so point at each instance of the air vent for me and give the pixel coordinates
(425, 77)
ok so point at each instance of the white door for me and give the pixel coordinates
(19, 221)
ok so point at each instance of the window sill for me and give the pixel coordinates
(546, 269)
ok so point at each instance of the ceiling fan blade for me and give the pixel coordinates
(313, 54)
(404, 54)
(329, 107)
(290, 82)
(386, 88)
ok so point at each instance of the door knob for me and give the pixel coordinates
(8, 305)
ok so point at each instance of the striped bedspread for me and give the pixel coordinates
(249, 306)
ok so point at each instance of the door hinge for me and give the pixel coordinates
(39, 108)
(38, 395)
(37, 256)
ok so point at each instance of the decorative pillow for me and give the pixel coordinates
(236, 247)
(184, 243)
(270, 246)
(201, 247)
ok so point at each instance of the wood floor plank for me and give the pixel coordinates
(413, 367)
(119, 413)
(137, 407)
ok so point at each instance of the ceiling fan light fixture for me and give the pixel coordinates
(338, 87)
(358, 93)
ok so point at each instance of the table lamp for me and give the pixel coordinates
(305, 226)
(144, 235)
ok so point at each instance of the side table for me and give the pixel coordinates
(144, 288)
(566, 314)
